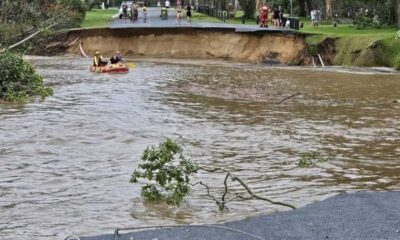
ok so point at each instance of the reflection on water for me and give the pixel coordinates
(65, 162)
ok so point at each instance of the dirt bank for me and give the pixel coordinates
(270, 47)
(357, 51)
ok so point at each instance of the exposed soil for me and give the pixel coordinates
(192, 43)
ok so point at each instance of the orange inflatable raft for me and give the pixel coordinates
(113, 68)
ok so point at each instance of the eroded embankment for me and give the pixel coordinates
(273, 47)
(360, 51)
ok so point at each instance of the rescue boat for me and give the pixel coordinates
(112, 68)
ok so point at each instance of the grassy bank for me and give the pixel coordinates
(98, 18)
(355, 47)
(359, 47)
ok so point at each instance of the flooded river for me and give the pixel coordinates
(65, 162)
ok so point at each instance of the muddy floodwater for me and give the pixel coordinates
(65, 162)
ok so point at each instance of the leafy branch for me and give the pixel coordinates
(167, 174)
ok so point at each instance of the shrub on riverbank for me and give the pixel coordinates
(397, 63)
(18, 79)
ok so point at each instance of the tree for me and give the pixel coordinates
(302, 8)
(329, 9)
(249, 7)
(309, 5)
(398, 13)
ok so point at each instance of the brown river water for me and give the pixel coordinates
(65, 162)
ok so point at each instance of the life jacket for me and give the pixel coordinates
(115, 59)
(97, 59)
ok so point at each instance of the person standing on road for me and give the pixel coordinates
(144, 13)
(189, 14)
(134, 13)
(264, 15)
(125, 10)
(178, 15)
(275, 17)
(281, 23)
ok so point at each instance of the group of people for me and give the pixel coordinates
(98, 60)
(279, 21)
(277, 17)
(179, 14)
(134, 12)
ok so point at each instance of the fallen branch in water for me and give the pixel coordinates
(287, 98)
(223, 201)
(167, 173)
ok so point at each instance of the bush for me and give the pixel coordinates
(397, 63)
(18, 79)
(367, 21)
(167, 173)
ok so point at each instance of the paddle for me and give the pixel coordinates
(130, 65)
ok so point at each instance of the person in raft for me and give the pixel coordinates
(116, 58)
(98, 60)
(264, 15)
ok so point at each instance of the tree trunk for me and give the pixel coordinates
(398, 13)
(302, 8)
(328, 9)
(309, 6)
(249, 7)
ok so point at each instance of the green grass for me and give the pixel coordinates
(345, 30)
(355, 46)
(98, 18)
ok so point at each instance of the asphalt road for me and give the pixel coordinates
(153, 20)
(363, 216)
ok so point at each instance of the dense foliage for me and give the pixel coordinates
(19, 18)
(18, 79)
(167, 171)
(249, 7)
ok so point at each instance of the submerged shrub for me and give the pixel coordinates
(18, 79)
(167, 173)
(310, 159)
